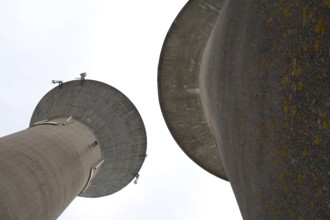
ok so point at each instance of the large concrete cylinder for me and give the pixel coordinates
(45, 167)
(263, 80)
(85, 138)
(268, 92)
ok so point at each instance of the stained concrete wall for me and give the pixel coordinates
(44, 168)
(179, 85)
(263, 80)
(268, 91)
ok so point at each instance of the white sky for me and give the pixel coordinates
(116, 42)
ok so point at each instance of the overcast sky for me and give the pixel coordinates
(118, 43)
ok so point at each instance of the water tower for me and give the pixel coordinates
(252, 78)
(85, 139)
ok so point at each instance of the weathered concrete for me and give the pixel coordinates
(264, 84)
(113, 118)
(268, 90)
(178, 83)
(44, 168)
(86, 138)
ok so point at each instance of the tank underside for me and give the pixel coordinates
(114, 120)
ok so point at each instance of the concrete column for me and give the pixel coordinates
(268, 91)
(44, 167)
(85, 138)
(261, 72)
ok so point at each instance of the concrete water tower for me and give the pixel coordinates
(244, 88)
(85, 139)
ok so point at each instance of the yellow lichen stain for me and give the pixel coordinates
(287, 11)
(284, 151)
(304, 17)
(325, 124)
(285, 186)
(317, 45)
(301, 218)
(293, 111)
(315, 177)
(300, 86)
(285, 80)
(281, 176)
(305, 152)
(299, 178)
(320, 26)
(307, 65)
(317, 141)
(298, 2)
(296, 71)
(285, 106)
(312, 204)
(311, 15)
(277, 152)
(327, 2)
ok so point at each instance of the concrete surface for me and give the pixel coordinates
(44, 168)
(115, 121)
(178, 83)
(260, 76)
(268, 93)
(85, 138)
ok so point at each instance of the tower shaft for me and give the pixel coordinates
(44, 167)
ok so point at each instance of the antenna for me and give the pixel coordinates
(59, 82)
(82, 77)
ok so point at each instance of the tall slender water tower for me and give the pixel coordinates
(85, 139)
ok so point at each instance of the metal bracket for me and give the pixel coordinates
(94, 144)
(68, 120)
(137, 176)
(45, 122)
(92, 175)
